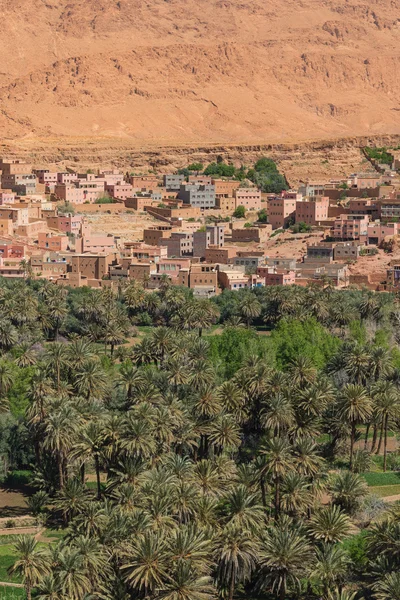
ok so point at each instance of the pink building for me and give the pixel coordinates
(232, 279)
(7, 198)
(350, 227)
(12, 251)
(279, 277)
(80, 193)
(281, 209)
(312, 211)
(122, 191)
(69, 193)
(377, 232)
(67, 177)
(65, 223)
(45, 177)
(49, 241)
(94, 244)
(250, 198)
(111, 177)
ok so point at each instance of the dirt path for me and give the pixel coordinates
(19, 531)
(392, 498)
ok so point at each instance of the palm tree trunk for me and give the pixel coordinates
(282, 594)
(277, 498)
(380, 437)
(28, 589)
(263, 491)
(352, 438)
(83, 472)
(374, 437)
(97, 466)
(200, 331)
(232, 585)
(385, 443)
(112, 350)
(366, 435)
(60, 470)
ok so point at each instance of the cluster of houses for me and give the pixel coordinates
(191, 237)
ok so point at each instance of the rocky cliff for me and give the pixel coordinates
(199, 72)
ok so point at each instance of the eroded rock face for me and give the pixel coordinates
(168, 72)
(298, 161)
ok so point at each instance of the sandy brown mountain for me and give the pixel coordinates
(199, 71)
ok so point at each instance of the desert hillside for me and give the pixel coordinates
(199, 71)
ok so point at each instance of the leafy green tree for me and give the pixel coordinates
(239, 212)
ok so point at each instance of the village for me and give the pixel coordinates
(204, 232)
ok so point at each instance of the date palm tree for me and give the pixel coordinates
(71, 499)
(57, 359)
(278, 462)
(236, 557)
(191, 544)
(80, 351)
(71, 573)
(243, 509)
(330, 524)
(296, 495)
(145, 564)
(388, 588)
(89, 446)
(184, 583)
(278, 415)
(330, 569)
(285, 556)
(57, 308)
(95, 560)
(31, 564)
(48, 588)
(59, 433)
(302, 372)
(355, 407)
(91, 381)
(224, 434)
(249, 308)
(8, 334)
(387, 409)
(26, 356)
(347, 490)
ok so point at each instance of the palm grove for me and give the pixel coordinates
(225, 465)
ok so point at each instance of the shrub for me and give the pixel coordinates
(262, 216)
(196, 166)
(65, 208)
(361, 461)
(300, 227)
(240, 212)
(10, 523)
(221, 169)
(379, 154)
(105, 200)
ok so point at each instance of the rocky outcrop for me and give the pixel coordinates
(300, 161)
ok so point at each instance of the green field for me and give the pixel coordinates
(7, 558)
(11, 593)
(381, 479)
